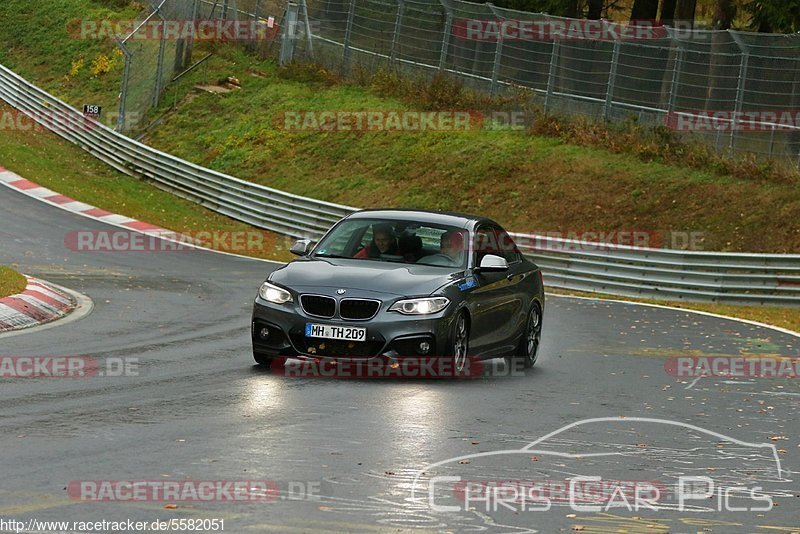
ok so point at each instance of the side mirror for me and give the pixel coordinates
(493, 264)
(302, 247)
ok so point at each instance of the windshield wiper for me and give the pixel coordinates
(331, 256)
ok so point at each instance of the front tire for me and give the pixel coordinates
(528, 351)
(459, 345)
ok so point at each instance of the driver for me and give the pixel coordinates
(452, 245)
(383, 242)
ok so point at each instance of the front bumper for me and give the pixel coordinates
(390, 335)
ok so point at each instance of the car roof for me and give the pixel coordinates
(436, 217)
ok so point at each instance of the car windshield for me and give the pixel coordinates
(396, 241)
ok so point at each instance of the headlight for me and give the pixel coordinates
(274, 293)
(423, 306)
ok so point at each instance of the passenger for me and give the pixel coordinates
(383, 242)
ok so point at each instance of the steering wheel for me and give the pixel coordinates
(442, 260)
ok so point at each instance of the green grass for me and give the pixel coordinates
(39, 40)
(11, 282)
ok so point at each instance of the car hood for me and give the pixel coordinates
(365, 275)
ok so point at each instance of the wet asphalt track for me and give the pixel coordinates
(200, 410)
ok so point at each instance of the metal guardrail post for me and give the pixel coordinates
(498, 53)
(612, 79)
(288, 36)
(398, 19)
(448, 29)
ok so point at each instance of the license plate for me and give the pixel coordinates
(346, 333)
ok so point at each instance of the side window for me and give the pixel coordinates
(485, 242)
(506, 246)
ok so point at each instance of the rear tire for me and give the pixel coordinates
(528, 350)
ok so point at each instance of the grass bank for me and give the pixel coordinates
(528, 182)
(11, 282)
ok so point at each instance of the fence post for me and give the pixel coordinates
(676, 76)
(740, 90)
(348, 34)
(123, 94)
(190, 41)
(396, 35)
(739, 100)
(288, 36)
(448, 29)
(309, 36)
(160, 62)
(612, 79)
(498, 54)
(551, 77)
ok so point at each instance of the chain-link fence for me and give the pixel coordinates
(738, 91)
(161, 45)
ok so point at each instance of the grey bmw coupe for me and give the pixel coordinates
(396, 284)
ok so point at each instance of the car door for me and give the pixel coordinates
(492, 296)
(516, 308)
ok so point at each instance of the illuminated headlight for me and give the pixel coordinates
(423, 306)
(274, 294)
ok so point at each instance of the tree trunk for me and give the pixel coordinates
(685, 12)
(724, 13)
(668, 12)
(595, 10)
(644, 10)
(571, 10)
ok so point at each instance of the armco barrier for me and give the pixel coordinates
(654, 273)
